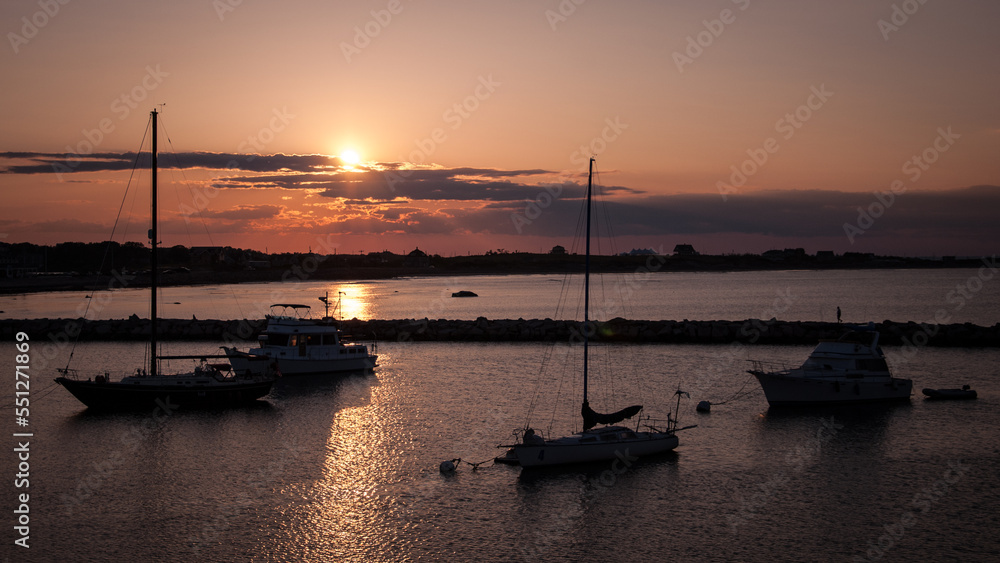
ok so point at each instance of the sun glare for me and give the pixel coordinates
(350, 157)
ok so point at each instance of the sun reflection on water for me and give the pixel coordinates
(350, 301)
(353, 504)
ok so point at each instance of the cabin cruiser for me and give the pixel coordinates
(850, 369)
(297, 345)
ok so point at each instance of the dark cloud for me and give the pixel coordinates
(967, 212)
(450, 184)
(49, 163)
(483, 200)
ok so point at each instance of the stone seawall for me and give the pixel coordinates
(751, 331)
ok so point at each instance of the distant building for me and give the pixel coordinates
(824, 255)
(417, 259)
(684, 250)
(557, 249)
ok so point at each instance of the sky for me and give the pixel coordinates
(462, 127)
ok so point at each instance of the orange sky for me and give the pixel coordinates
(734, 125)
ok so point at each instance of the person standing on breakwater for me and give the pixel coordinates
(838, 315)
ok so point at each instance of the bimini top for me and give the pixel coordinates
(299, 311)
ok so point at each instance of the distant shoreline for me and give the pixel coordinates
(472, 266)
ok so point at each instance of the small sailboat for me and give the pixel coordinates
(209, 385)
(594, 443)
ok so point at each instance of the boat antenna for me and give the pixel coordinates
(326, 303)
(152, 255)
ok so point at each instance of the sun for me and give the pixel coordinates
(350, 157)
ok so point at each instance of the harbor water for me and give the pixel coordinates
(346, 468)
(958, 295)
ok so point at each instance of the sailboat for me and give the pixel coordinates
(594, 443)
(210, 385)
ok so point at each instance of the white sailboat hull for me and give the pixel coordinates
(575, 449)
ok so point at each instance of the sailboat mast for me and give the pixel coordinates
(586, 283)
(152, 257)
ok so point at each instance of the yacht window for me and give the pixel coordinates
(313, 339)
(627, 435)
(607, 437)
(590, 439)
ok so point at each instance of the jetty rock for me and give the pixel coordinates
(748, 331)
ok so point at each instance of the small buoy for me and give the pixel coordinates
(704, 406)
(447, 466)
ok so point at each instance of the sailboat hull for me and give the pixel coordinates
(129, 396)
(576, 449)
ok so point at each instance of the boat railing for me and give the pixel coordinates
(769, 366)
(781, 369)
(69, 373)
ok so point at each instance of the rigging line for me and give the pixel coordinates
(36, 395)
(197, 209)
(550, 350)
(737, 394)
(111, 239)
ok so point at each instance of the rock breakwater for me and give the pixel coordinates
(750, 331)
